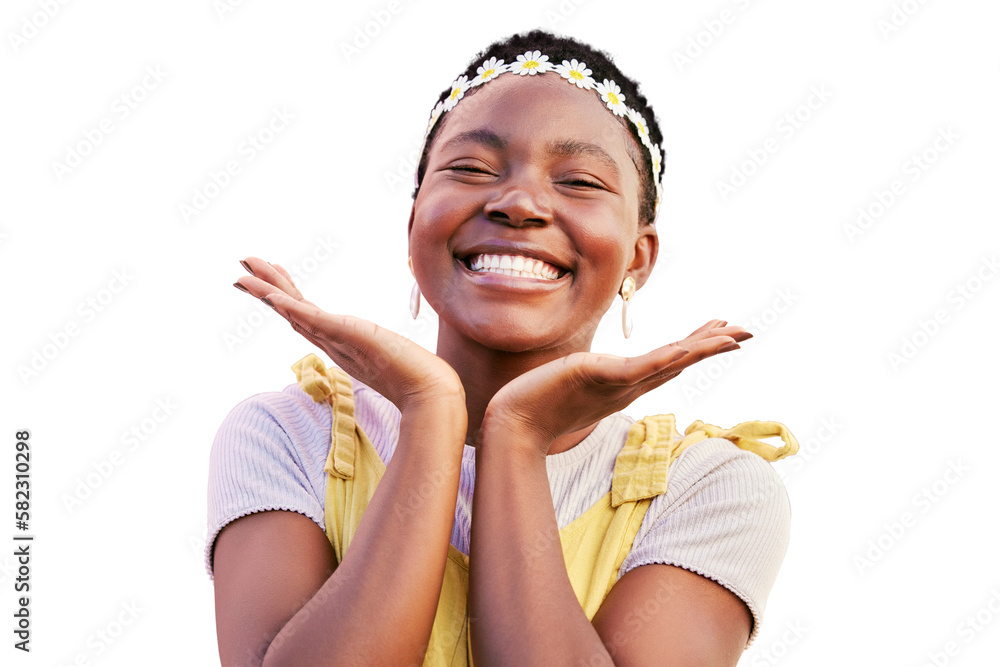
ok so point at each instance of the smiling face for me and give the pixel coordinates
(526, 221)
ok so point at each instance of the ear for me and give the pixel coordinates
(646, 248)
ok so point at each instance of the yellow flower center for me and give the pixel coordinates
(531, 64)
(613, 98)
(642, 128)
(455, 92)
(488, 73)
(576, 75)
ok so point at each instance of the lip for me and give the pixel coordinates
(499, 247)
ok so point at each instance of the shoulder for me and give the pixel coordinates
(725, 515)
(268, 454)
(286, 421)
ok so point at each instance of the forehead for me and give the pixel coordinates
(537, 109)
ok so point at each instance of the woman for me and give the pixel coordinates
(533, 211)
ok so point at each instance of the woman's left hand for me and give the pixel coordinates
(571, 393)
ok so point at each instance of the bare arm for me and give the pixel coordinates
(522, 603)
(274, 587)
(526, 612)
(275, 590)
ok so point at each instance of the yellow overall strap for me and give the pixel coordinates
(353, 470)
(597, 543)
(353, 466)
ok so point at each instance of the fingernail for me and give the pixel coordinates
(247, 267)
(268, 302)
(729, 347)
(241, 288)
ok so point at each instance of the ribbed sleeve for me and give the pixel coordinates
(725, 516)
(268, 454)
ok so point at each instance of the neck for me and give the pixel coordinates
(484, 371)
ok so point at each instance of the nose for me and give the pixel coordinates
(523, 202)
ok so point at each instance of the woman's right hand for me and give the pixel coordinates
(399, 369)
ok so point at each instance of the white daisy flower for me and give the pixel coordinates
(657, 159)
(458, 89)
(532, 62)
(576, 73)
(438, 110)
(612, 96)
(640, 125)
(489, 70)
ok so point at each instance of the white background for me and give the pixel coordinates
(829, 308)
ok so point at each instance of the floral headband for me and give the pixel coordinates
(576, 73)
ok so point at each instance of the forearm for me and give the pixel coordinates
(523, 606)
(378, 606)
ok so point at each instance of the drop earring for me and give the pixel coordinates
(628, 290)
(414, 294)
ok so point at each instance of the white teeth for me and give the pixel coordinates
(514, 265)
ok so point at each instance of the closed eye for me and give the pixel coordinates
(471, 170)
(589, 184)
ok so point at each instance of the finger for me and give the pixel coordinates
(711, 324)
(625, 371)
(703, 349)
(264, 271)
(339, 333)
(306, 317)
(259, 288)
(735, 332)
(280, 269)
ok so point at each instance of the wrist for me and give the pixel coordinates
(514, 438)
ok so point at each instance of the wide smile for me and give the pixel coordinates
(519, 266)
(513, 271)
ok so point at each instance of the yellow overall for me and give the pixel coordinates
(595, 544)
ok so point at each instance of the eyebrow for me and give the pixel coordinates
(561, 148)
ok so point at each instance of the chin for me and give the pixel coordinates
(516, 332)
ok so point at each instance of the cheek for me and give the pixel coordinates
(437, 217)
